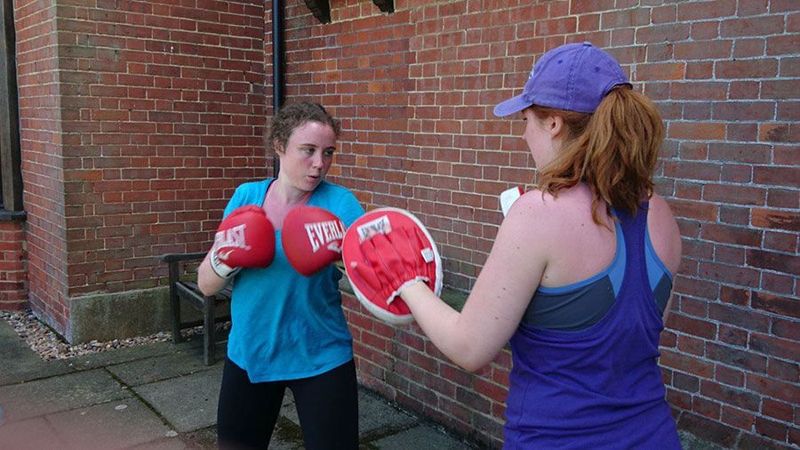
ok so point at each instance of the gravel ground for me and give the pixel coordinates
(49, 345)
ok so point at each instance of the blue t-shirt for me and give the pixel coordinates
(285, 325)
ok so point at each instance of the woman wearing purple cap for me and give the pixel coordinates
(579, 278)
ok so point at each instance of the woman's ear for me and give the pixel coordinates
(555, 125)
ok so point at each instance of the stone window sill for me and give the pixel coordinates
(12, 216)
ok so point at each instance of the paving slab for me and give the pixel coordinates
(109, 426)
(60, 393)
(169, 444)
(422, 437)
(189, 402)
(167, 400)
(376, 417)
(30, 434)
(161, 367)
(204, 439)
(288, 408)
(27, 364)
(126, 354)
(287, 435)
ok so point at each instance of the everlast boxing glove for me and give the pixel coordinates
(246, 238)
(311, 238)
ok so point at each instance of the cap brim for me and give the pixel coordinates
(511, 106)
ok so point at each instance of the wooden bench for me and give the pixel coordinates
(187, 290)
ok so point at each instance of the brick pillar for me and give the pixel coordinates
(137, 121)
(42, 163)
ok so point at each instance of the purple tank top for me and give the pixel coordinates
(598, 387)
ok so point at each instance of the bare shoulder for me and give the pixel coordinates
(528, 221)
(547, 219)
(534, 211)
(538, 202)
(664, 232)
(554, 209)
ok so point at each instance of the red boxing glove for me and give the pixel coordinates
(311, 238)
(384, 251)
(246, 238)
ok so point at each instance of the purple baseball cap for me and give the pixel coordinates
(573, 77)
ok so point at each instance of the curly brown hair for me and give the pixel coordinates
(293, 115)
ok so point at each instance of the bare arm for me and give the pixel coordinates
(665, 237)
(494, 308)
(208, 281)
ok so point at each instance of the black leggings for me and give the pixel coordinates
(327, 406)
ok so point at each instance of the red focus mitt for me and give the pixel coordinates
(246, 238)
(385, 250)
(311, 238)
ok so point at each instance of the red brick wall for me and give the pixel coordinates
(140, 121)
(159, 109)
(415, 91)
(13, 278)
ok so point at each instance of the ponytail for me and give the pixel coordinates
(614, 151)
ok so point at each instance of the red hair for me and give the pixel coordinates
(614, 151)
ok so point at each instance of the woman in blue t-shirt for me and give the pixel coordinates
(289, 330)
(579, 277)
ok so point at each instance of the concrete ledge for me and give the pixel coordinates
(106, 317)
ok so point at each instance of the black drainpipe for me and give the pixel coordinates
(277, 69)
